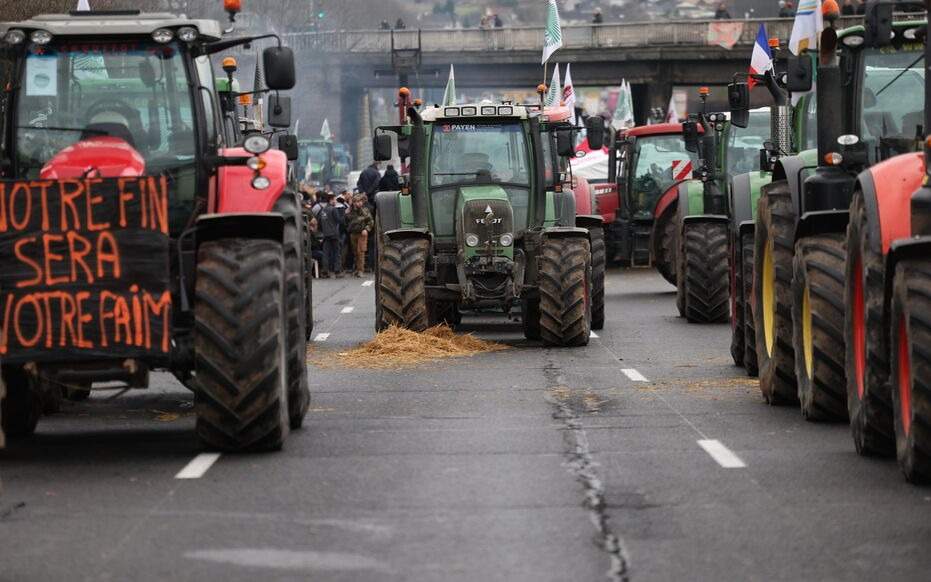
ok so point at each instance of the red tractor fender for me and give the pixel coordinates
(887, 193)
(670, 197)
(607, 201)
(103, 157)
(235, 193)
(584, 203)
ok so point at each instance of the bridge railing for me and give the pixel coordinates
(626, 35)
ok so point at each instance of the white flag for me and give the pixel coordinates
(672, 116)
(568, 95)
(552, 34)
(449, 96)
(624, 109)
(554, 91)
(325, 132)
(807, 26)
(84, 6)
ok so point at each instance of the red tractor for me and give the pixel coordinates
(645, 167)
(137, 233)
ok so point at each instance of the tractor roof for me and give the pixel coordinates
(103, 24)
(475, 112)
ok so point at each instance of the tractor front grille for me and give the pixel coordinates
(487, 219)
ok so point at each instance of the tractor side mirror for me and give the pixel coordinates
(279, 111)
(799, 74)
(279, 68)
(288, 144)
(382, 147)
(564, 146)
(878, 30)
(404, 147)
(690, 135)
(595, 128)
(738, 97)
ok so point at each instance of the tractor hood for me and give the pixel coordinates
(484, 212)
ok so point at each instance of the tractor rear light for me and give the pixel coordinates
(471, 240)
(256, 164)
(41, 37)
(163, 36)
(188, 34)
(506, 239)
(833, 159)
(261, 183)
(256, 144)
(15, 36)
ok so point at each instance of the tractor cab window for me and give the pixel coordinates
(892, 101)
(463, 155)
(745, 143)
(131, 96)
(659, 162)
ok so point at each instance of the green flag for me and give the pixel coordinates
(552, 34)
(554, 93)
(449, 96)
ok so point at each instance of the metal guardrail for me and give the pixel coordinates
(602, 36)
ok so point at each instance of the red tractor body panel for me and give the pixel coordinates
(895, 180)
(584, 204)
(606, 201)
(99, 157)
(236, 194)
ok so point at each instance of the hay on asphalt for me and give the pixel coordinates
(402, 348)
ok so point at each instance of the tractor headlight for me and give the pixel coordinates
(41, 37)
(261, 183)
(255, 163)
(163, 36)
(472, 240)
(15, 36)
(256, 144)
(188, 34)
(506, 239)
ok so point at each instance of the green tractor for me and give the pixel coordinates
(477, 225)
(791, 129)
(869, 108)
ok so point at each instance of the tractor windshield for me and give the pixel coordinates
(136, 91)
(743, 152)
(472, 154)
(659, 162)
(892, 101)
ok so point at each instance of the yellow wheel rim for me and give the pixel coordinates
(769, 298)
(808, 344)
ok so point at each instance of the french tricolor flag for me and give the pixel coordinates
(762, 59)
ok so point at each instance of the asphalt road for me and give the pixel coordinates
(646, 456)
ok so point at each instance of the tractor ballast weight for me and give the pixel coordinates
(203, 238)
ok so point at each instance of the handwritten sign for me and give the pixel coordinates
(84, 269)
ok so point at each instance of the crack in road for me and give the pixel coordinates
(584, 468)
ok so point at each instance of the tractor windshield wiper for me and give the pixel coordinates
(75, 129)
(899, 76)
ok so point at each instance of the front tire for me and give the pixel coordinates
(774, 246)
(817, 323)
(666, 244)
(749, 331)
(565, 291)
(599, 263)
(738, 310)
(705, 285)
(241, 343)
(401, 296)
(911, 368)
(22, 406)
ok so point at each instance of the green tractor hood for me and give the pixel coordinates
(485, 211)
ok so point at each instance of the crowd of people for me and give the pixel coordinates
(342, 223)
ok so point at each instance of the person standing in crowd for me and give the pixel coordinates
(368, 182)
(786, 9)
(331, 219)
(848, 9)
(361, 224)
(597, 17)
(721, 13)
(497, 21)
(391, 181)
(399, 25)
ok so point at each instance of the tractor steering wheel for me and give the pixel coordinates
(126, 110)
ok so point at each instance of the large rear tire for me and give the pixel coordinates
(666, 243)
(705, 283)
(22, 406)
(774, 245)
(746, 268)
(565, 273)
(869, 399)
(402, 266)
(241, 344)
(296, 308)
(818, 330)
(911, 368)
(599, 263)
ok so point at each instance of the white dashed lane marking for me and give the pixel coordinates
(634, 375)
(321, 337)
(368, 283)
(198, 466)
(348, 309)
(723, 455)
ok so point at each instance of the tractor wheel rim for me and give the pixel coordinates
(859, 327)
(769, 298)
(905, 377)
(807, 341)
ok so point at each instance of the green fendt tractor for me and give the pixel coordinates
(476, 226)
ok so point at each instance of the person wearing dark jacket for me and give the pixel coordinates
(391, 181)
(331, 219)
(721, 13)
(368, 182)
